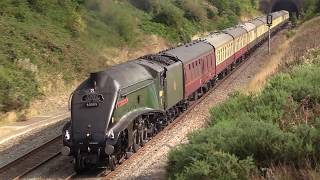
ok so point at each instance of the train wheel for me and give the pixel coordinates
(112, 162)
(136, 139)
(152, 130)
(196, 96)
(144, 135)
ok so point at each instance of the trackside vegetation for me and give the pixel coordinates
(247, 133)
(51, 43)
(310, 8)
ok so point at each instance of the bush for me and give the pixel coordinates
(41, 6)
(146, 5)
(193, 10)
(75, 23)
(120, 17)
(265, 142)
(17, 88)
(204, 162)
(226, 21)
(169, 15)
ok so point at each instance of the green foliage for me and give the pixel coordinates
(67, 38)
(169, 15)
(146, 5)
(279, 125)
(311, 8)
(17, 87)
(263, 141)
(184, 18)
(193, 10)
(119, 17)
(234, 7)
(226, 21)
(204, 162)
(37, 38)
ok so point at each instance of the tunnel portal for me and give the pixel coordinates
(287, 5)
(293, 6)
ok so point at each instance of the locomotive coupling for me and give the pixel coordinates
(65, 151)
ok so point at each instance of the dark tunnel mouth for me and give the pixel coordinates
(287, 5)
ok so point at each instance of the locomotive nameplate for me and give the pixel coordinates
(122, 102)
(92, 104)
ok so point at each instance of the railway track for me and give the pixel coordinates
(22, 166)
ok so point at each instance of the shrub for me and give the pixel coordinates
(17, 88)
(75, 22)
(169, 15)
(146, 5)
(226, 21)
(16, 9)
(265, 142)
(204, 162)
(41, 6)
(119, 17)
(193, 10)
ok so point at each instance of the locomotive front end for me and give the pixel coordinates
(92, 106)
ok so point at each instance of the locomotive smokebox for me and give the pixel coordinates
(92, 107)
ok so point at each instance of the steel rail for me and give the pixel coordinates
(32, 153)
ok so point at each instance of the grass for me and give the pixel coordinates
(273, 60)
(272, 133)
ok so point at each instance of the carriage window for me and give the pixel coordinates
(192, 65)
(221, 54)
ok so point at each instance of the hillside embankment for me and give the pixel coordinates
(298, 42)
(270, 131)
(48, 47)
